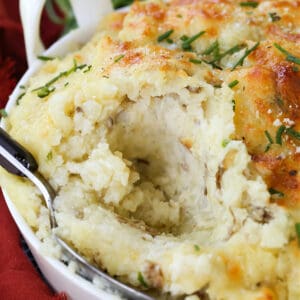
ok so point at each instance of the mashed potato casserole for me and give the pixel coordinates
(172, 139)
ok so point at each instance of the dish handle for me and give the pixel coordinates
(87, 14)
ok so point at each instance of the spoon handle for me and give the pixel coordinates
(87, 13)
(12, 147)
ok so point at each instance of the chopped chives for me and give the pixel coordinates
(118, 58)
(211, 48)
(289, 57)
(120, 3)
(45, 58)
(165, 35)
(195, 61)
(142, 280)
(197, 248)
(20, 97)
(293, 59)
(89, 67)
(274, 17)
(49, 155)
(184, 37)
(186, 45)
(233, 83)
(279, 133)
(247, 52)
(230, 51)
(268, 147)
(267, 134)
(233, 104)
(23, 87)
(45, 90)
(3, 113)
(225, 142)
(293, 133)
(277, 193)
(249, 4)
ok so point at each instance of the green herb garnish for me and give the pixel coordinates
(20, 97)
(247, 52)
(142, 280)
(197, 248)
(165, 35)
(89, 67)
(233, 83)
(186, 45)
(45, 58)
(3, 113)
(195, 61)
(225, 142)
(295, 69)
(47, 89)
(274, 17)
(118, 58)
(279, 133)
(23, 87)
(49, 155)
(210, 49)
(277, 193)
(184, 37)
(293, 133)
(267, 134)
(230, 51)
(120, 3)
(289, 57)
(233, 104)
(249, 4)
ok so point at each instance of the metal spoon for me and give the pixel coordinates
(17, 160)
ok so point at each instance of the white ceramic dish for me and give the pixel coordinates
(57, 274)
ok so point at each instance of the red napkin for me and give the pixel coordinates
(18, 278)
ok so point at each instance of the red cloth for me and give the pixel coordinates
(18, 278)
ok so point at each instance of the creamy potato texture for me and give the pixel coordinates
(172, 140)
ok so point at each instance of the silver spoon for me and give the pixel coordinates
(17, 160)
